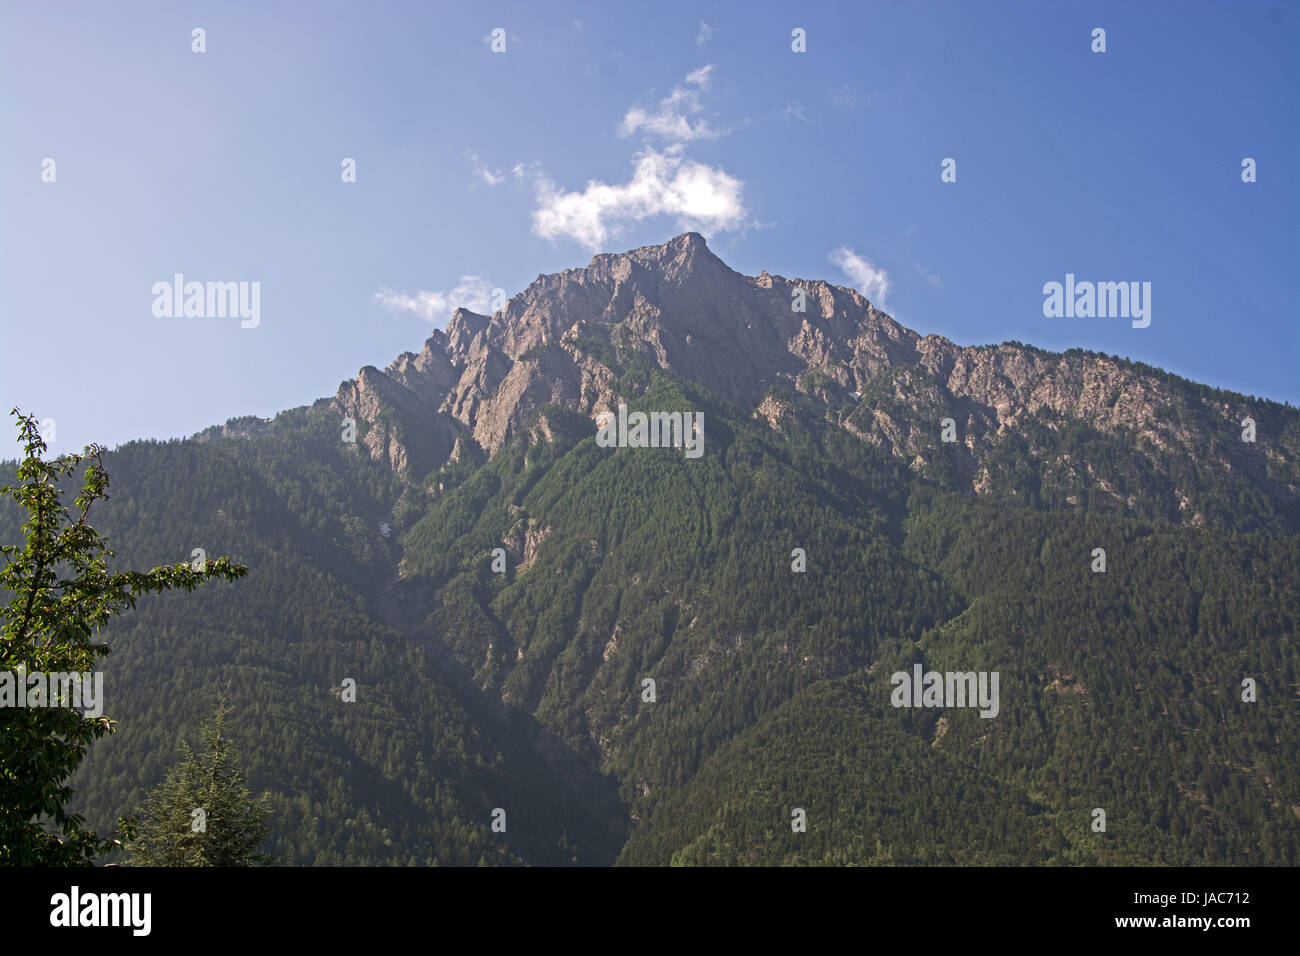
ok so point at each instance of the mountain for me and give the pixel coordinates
(1073, 430)
(671, 658)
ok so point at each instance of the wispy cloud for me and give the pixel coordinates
(932, 278)
(671, 119)
(700, 77)
(663, 183)
(472, 292)
(491, 177)
(496, 176)
(702, 37)
(867, 279)
(797, 111)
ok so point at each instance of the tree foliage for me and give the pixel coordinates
(202, 814)
(60, 594)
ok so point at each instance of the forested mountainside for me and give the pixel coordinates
(826, 539)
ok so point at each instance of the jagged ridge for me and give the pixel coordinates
(680, 307)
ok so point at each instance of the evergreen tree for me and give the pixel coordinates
(202, 814)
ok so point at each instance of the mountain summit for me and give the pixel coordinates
(637, 655)
(770, 347)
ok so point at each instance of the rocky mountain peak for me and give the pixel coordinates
(681, 308)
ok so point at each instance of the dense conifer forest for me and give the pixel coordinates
(525, 690)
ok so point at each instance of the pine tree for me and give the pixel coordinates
(202, 814)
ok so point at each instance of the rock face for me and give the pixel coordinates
(681, 308)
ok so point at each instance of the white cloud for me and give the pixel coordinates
(933, 278)
(702, 197)
(493, 177)
(700, 77)
(702, 37)
(664, 181)
(472, 292)
(867, 279)
(796, 111)
(671, 119)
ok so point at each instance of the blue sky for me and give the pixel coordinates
(607, 126)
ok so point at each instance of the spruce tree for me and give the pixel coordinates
(202, 814)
